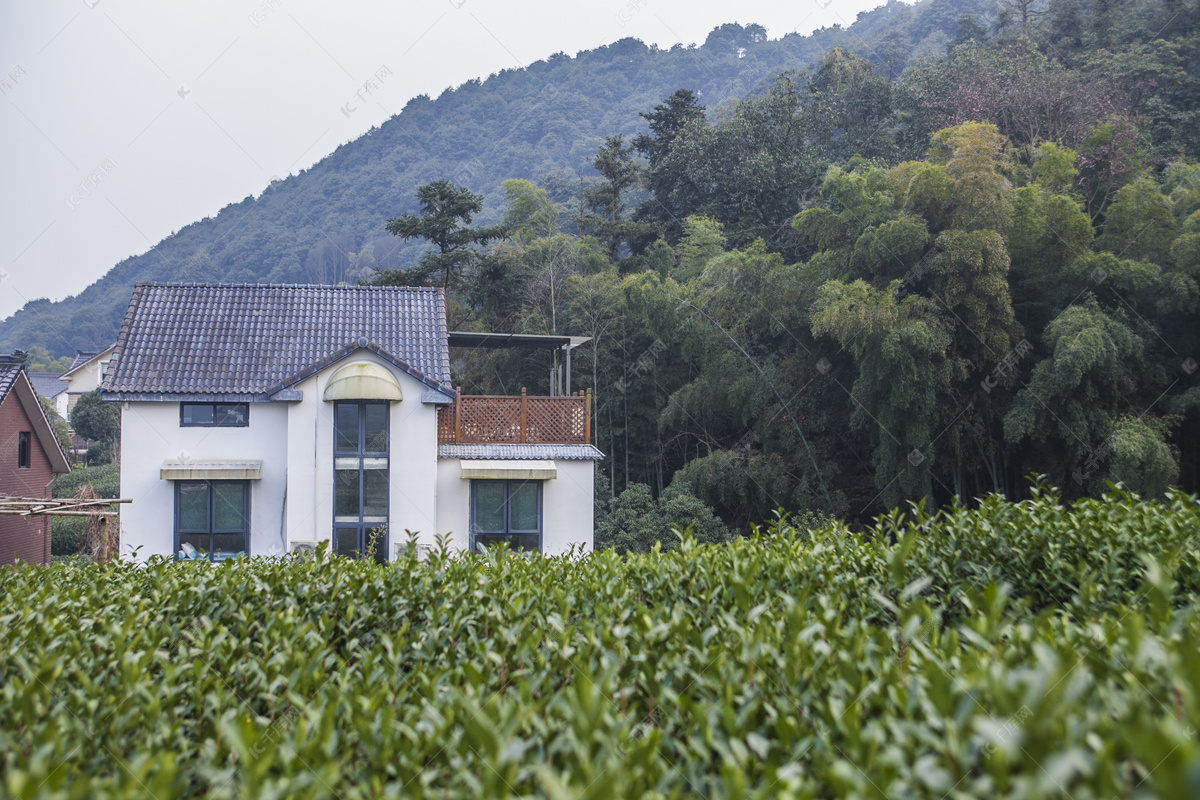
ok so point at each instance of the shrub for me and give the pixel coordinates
(1014, 650)
(105, 479)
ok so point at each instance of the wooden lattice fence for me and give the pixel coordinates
(494, 419)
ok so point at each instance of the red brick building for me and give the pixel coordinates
(30, 457)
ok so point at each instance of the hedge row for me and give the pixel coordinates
(1016, 650)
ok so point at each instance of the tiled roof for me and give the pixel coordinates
(521, 452)
(8, 375)
(254, 339)
(47, 384)
(82, 357)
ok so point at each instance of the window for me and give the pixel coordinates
(214, 415)
(360, 479)
(212, 519)
(506, 511)
(23, 450)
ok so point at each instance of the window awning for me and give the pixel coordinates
(179, 470)
(508, 470)
(363, 381)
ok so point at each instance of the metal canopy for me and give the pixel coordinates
(531, 341)
(560, 375)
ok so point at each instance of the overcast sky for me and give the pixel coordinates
(124, 120)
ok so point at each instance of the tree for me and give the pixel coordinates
(671, 122)
(606, 201)
(97, 421)
(633, 522)
(703, 240)
(446, 214)
(38, 359)
(61, 431)
(1023, 10)
(1140, 223)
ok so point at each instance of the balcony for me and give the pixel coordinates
(493, 419)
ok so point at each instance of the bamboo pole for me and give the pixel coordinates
(587, 417)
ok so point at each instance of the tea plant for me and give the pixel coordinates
(1014, 650)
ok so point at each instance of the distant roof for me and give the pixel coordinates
(252, 340)
(521, 452)
(47, 384)
(83, 357)
(533, 341)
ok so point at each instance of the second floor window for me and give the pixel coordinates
(23, 450)
(214, 415)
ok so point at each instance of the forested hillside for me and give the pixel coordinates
(545, 122)
(923, 258)
(854, 288)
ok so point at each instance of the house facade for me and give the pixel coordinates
(269, 419)
(85, 374)
(30, 457)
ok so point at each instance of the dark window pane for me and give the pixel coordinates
(526, 541)
(523, 505)
(489, 506)
(375, 492)
(193, 506)
(197, 414)
(231, 415)
(346, 423)
(229, 506)
(487, 542)
(193, 545)
(376, 433)
(345, 542)
(345, 493)
(23, 449)
(226, 545)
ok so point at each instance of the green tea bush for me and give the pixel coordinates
(67, 535)
(1014, 650)
(105, 479)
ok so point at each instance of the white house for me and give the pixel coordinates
(85, 374)
(266, 419)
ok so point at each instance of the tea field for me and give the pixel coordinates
(1017, 650)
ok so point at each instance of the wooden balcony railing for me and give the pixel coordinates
(491, 419)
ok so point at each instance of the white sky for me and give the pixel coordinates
(124, 120)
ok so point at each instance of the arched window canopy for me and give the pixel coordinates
(363, 381)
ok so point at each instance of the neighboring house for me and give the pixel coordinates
(48, 385)
(30, 457)
(266, 419)
(85, 375)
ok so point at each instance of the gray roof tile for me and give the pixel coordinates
(8, 375)
(522, 452)
(254, 339)
(47, 384)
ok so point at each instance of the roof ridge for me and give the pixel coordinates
(212, 285)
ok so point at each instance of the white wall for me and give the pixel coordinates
(566, 506)
(294, 441)
(150, 435)
(413, 453)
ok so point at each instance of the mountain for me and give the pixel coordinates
(543, 123)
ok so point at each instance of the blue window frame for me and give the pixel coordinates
(214, 415)
(508, 511)
(212, 519)
(360, 478)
